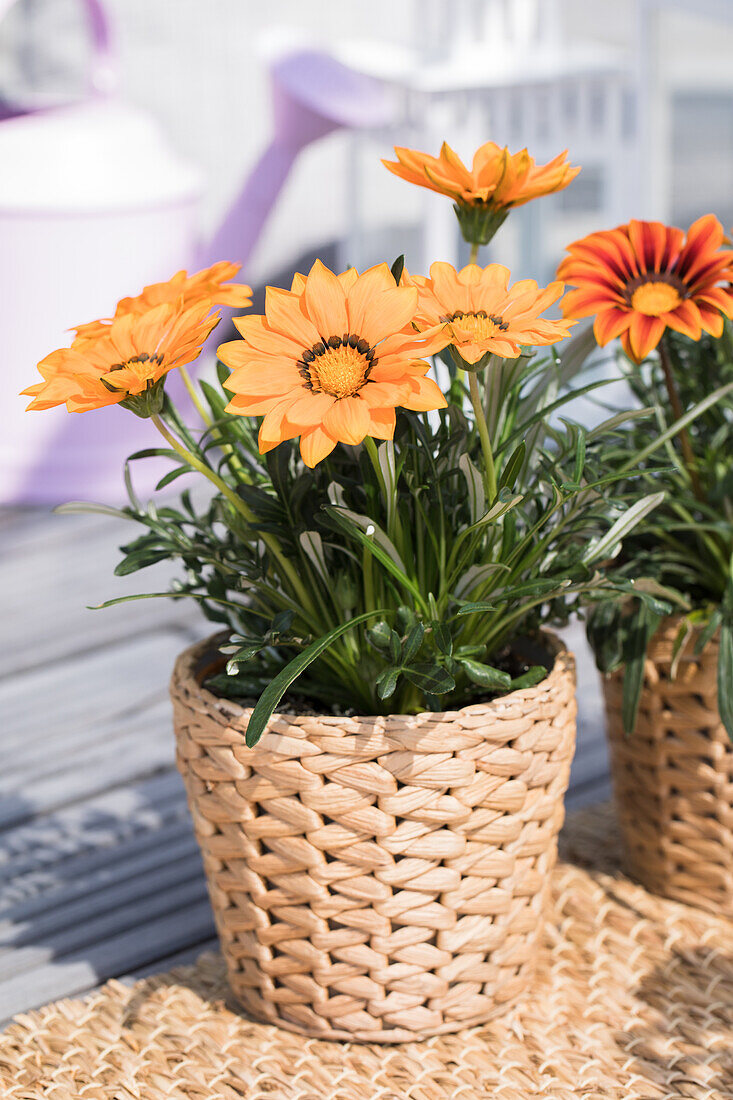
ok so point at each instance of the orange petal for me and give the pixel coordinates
(308, 409)
(382, 423)
(644, 334)
(425, 394)
(258, 334)
(609, 324)
(711, 320)
(315, 446)
(326, 301)
(284, 314)
(251, 406)
(274, 428)
(685, 319)
(360, 296)
(347, 420)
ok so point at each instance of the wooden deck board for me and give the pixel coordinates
(100, 875)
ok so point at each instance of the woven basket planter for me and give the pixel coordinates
(378, 879)
(673, 777)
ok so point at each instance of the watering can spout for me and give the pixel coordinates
(313, 95)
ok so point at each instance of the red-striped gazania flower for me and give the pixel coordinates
(645, 277)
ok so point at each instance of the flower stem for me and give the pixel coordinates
(239, 506)
(483, 432)
(192, 393)
(473, 257)
(677, 411)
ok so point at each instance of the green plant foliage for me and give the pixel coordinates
(682, 553)
(387, 579)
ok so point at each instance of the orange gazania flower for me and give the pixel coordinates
(212, 285)
(330, 361)
(484, 193)
(644, 277)
(125, 362)
(482, 314)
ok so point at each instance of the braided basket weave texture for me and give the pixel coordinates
(632, 1000)
(378, 879)
(673, 777)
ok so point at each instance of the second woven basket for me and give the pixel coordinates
(673, 777)
(378, 879)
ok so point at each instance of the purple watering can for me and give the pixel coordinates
(73, 242)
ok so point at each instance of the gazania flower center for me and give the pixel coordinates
(655, 298)
(136, 373)
(338, 366)
(480, 325)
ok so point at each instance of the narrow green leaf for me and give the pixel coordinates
(608, 543)
(513, 467)
(474, 608)
(397, 268)
(635, 650)
(84, 507)
(140, 559)
(475, 486)
(274, 692)
(172, 475)
(579, 456)
(725, 675)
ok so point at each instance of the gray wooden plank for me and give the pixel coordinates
(84, 969)
(82, 936)
(42, 851)
(133, 748)
(69, 698)
(50, 579)
(89, 886)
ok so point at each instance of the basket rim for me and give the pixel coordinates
(187, 678)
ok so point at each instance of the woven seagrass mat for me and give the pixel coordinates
(634, 998)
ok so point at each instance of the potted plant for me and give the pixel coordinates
(669, 692)
(377, 742)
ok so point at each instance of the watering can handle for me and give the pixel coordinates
(103, 75)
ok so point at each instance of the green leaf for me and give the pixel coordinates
(725, 675)
(534, 675)
(486, 675)
(241, 657)
(579, 456)
(379, 634)
(140, 559)
(475, 485)
(395, 645)
(638, 457)
(397, 268)
(282, 621)
(274, 692)
(607, 545)
(443, 638)
(413, 643)
(637, 642)
(387, 682)
(513, 467)
(432, 679)
(84, 507)
(475, 608)
(172, 475)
